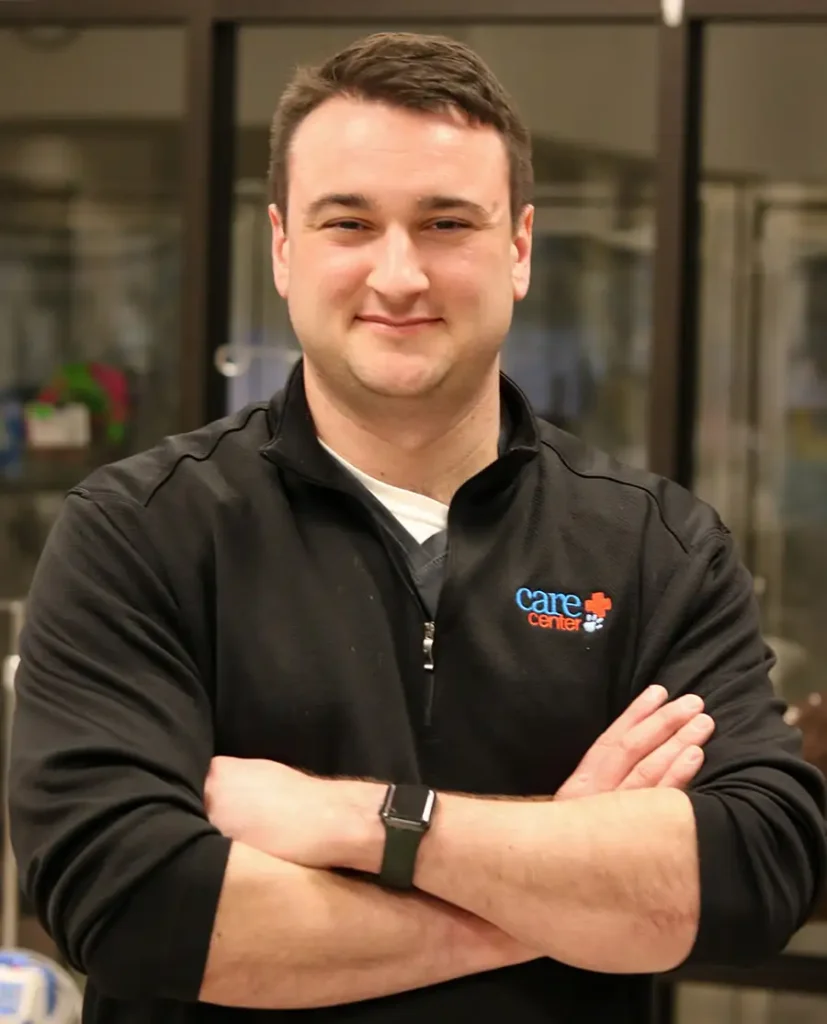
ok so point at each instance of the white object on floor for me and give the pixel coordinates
(36, 990)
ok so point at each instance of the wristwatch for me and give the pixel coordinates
(406, 813)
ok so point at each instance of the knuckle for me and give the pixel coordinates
(647, 773)
(676, 715)
(673, 721)
(690, 731)
(628, 744)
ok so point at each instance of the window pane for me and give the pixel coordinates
(580, 343)
(90, 225)
(762, 424)
(762, 427)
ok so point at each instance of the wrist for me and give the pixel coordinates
(361, 837)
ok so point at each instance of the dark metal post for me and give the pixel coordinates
(674, 355)
(209, 167)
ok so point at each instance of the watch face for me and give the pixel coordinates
(412, 803)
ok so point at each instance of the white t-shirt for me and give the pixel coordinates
(421, 516)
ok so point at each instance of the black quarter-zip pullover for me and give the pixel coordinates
(232, 592)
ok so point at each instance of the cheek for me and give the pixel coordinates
(454, 273)
(324, 275)
(480, 279)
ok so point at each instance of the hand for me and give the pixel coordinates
(652, 744)
(282, 811)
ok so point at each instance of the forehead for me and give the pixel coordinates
(350, 145)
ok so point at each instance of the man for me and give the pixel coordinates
(381, 701)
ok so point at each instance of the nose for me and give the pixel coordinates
(397, 272)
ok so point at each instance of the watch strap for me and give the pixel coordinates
(399, 858)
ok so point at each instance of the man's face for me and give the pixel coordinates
(399, 261)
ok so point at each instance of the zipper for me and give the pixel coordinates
(429, 626)
(393, 555)
(428, 662)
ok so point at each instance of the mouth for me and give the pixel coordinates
(401, 324)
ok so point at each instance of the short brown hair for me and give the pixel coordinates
(416, 72)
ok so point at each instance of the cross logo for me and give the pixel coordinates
(598, 604)
(597, 608)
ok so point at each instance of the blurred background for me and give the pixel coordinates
(677, 315)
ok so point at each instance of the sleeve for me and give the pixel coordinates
(759, 807)
(112, 743)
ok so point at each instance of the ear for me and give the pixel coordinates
(280, 250)
(521, 253)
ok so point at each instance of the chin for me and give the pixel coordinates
(395, 378)
(389, 387)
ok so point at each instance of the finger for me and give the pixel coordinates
(634, 735)
(623, 746)
(651, 770)
(616, 761)
(616, 753)
(657, 729)
(638, 711)
(683, 770)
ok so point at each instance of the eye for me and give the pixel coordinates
(446, 224)
(347, 225)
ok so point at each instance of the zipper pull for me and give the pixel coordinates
(428, 654)
(428, 646)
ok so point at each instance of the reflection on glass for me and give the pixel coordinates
(89, 264)
(761, 435)
(579, 345)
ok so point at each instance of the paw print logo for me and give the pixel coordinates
(597, 608)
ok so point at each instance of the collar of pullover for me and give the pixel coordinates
(293, 443)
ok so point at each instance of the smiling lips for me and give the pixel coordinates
(407, 323)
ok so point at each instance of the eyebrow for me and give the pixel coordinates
(435, 204)
(427, 204)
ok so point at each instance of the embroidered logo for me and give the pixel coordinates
(567, 612)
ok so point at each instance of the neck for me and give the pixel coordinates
(411, 445)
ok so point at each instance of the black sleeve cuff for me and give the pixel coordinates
(756, 879)
(156, 944)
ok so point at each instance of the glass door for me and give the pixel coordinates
(761, 432)
(761, 429)
(90, 253)
(90, 256)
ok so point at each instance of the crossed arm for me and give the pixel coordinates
(500, 882)
(114, 732)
